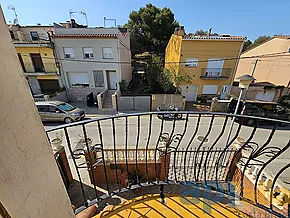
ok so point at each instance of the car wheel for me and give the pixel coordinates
(250, 122)
(68, 120)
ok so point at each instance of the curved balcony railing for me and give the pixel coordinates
(122, 153)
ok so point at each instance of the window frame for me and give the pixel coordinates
(34, 38)
(90, 54)
(78, 85)
(43, 106)
(72, 56)
(191, 63)
(107, 53)
(103, 77)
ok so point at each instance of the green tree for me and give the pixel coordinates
(260, 40)
(247, 45)
(150, 29)
(200, 32)
(170, 80)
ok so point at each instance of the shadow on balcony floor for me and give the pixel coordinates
(175, 206)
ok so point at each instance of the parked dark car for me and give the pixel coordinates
(256, 108)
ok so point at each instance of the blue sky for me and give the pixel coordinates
(250, 18)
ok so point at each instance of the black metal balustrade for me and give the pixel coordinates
(215, 73)
(132, 151)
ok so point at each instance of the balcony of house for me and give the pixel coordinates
(144, 165)
(215, 73)
(35, 40)
(43, 69)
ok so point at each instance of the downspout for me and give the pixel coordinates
(59, 65)
(119, 60)
(236, 66)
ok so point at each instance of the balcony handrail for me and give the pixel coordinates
(195, 113)
(47, 68)
(174, 153)
(42, 37)
(215, 72)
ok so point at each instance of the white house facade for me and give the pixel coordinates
(92, 59)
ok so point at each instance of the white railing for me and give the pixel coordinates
(131, 155)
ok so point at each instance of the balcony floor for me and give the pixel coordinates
(176, 206)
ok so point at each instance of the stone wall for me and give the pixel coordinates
(80, 94)
(165, 100)
(60, 96)
(219, 105)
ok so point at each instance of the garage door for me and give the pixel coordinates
(209, 89)
(265, 96)
(190, 92)
(48, 85)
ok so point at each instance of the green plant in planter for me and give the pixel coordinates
(134, 177)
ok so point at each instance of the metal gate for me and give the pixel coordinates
(134, 103)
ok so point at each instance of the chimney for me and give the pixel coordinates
(181, 31)
(176, 30)
(73, 23)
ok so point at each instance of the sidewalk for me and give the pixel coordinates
(92, 111)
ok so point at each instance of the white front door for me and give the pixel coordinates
(265, 95)
(112, 79)
(190, 92)
(225, 91)
(214, 67)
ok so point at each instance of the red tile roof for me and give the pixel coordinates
(282, 36)
(85, 36)
(215, 37)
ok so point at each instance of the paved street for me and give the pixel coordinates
(279, 139)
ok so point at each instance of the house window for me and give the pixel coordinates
(214, 67)
(12, 34)
(191, 62)
(34, 35)
(99, 78)
(107, 53)
(209, 89)
(78, 79)
(88, 52)
(68, 53)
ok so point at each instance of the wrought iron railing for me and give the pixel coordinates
(26, 37)
(215, 73)
(127, 152)
(29, 68)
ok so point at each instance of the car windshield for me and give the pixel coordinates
(66, 107)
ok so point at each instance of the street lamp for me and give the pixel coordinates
(244, 83)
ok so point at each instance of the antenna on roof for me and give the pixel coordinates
(71, 12)
(85, 15)
(11, 7)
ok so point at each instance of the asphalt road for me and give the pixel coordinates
(138, 134)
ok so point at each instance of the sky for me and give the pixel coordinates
(251, 18)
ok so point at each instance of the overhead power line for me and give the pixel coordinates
(273, 55)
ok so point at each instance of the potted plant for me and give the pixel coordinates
(83, 141)
(56, 142)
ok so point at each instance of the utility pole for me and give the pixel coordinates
(252, 74)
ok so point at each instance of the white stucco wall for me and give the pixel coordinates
(79, 64)
(30, 182)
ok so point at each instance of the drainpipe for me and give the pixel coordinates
(236, 66)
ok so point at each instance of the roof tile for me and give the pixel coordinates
(81, 35)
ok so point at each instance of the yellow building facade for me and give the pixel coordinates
(36, 56)
(210, 61)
